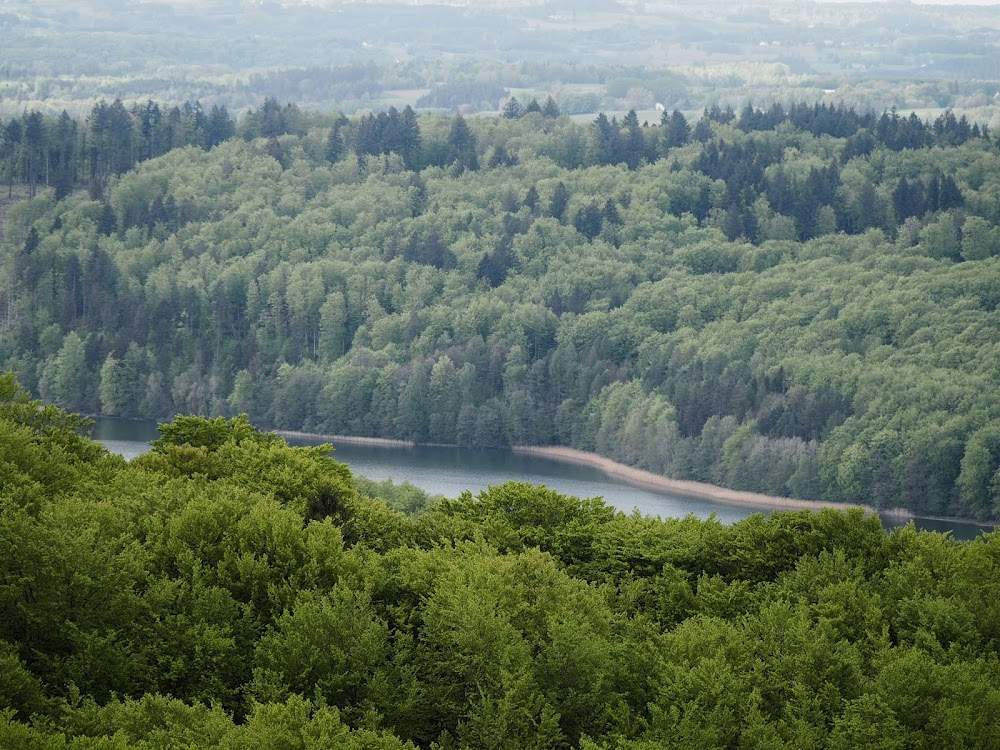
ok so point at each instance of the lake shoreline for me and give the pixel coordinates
(631, 475)
(701, 490)
(614, 470)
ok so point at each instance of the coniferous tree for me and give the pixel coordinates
(219, 126)
(606, 138)
(334, 144)
(676, 131)
(495, 265)
(462, 145)
(702, 131)
(33, 135)
(512, 109)
(11, 143)
(107, 223)
(634, 145)
(501, 158)
(558, 202)
(610, 213)
(64, 155)
(409, 138)
(531, 199)
(589, 220)
(367, 138)
(149, 116)
(951, 194)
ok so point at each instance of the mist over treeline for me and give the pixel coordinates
(598, 56)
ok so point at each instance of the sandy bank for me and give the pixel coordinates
(650, 481)
(630, 475)
(347, 439)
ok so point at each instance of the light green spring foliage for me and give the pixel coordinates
(229, 591)
(405, 497)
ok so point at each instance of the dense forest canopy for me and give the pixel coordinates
(225, 590)
(752, 244)
(795, 300)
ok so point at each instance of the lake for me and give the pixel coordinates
(450, 471)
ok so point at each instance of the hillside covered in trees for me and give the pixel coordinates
(225, 590)
(799, 301)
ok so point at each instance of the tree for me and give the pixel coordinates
(331, 646)
(444, 401)
(980, 239)
(64, 158)
(501, 158)
(219, 126)
(610, 213)
(334, 145)
(676, 131)
(512, 109)
(66, 379)
(606, 141)
(589, 220)
(558, 202)
(33, 135)
(979, 480)
(412, 417)
(634, 146)
(462, 146)
(107, 223)
(495, 265)
(531, 199)
(409, 141)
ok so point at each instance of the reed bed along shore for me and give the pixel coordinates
(630, 475)
(650, 481)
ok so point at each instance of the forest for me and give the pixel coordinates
(226, 590)
(799, 301)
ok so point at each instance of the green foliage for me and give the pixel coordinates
(839, 348)
(405, 497)
(198, 597)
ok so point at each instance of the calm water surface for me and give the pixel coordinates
(450, 471)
